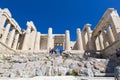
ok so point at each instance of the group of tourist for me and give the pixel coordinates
(56, 50)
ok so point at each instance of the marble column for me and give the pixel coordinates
(5, 34)
(67, 40)
(110, 34)
(11, 37)
(97, 43)
(26, 39)
(84, 39)
(89, 34)
(79, 39)
(50, 39)
(31, 45)
(105, 43)
(100, 37)
(15, 41)
(2, 21)
(37, 41)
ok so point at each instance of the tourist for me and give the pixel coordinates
(60, 52)
(55, 50)
(51, 51)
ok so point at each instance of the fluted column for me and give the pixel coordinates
(110, 34)
(101, 41)
(2, 21)
(5, 34)
(79, 39)
(50, 40)
(89, 33)
(84, 39)
(97, 43)
(11, 37)
(105, 43)
(32, 40)
(26, 39)
(15, 41)
(67, 40)
(37, 41)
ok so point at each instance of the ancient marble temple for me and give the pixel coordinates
(105, 37)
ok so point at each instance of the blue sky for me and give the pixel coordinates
(61, 15)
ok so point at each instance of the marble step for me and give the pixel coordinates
(60, 78)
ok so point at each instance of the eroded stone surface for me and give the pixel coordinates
(28, 65)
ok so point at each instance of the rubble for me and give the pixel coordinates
(31, 65)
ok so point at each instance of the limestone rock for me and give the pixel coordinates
(99, 66)
(67, 62)
(87, 64)
(53, 65)
(19, 60)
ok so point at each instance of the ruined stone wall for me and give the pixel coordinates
(9, 29)
(103, 38)
(106, 33)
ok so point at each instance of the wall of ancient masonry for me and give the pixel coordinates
(9, 29)
(106, 34)
(105, 37)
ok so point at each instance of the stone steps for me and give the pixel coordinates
(60, 78)
(104, 74)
